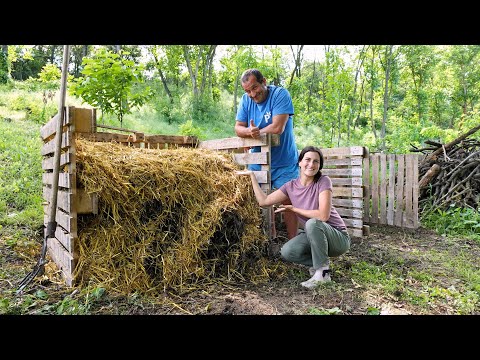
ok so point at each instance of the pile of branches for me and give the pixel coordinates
(450, 173)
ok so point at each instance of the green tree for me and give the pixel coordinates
(109, 82)
(3, 65)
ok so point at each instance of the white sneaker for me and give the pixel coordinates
(312, 282)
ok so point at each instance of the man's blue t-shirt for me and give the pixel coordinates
(278, 102)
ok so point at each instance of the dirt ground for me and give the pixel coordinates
(386, 248)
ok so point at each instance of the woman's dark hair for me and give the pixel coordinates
(319, 152)
(255, 72)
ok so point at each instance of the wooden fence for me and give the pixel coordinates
(391, 189)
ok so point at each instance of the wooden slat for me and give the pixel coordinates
(262, 176)
(84, 120)
(49, 147)
(171, 139)
(232, 143)
(103, 137)
(353, 223)
(66, 239)
(343, 151)
(347, 192)
(251, 158)
(354, 171)
(66, 221)
(86, 203)
(374, 189)
(383, 188)
(64, 198)
(355, 233)
(63, 179)
(408, 192)
(267, 187)
(355, 181)
(346, 161)
(47, 162)
(391, 188)
(357, 204)
(366, 185)
(415, 189)
(400, 183)
(62, 258)
(353, 213)
(50, 128)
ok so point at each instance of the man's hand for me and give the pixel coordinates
(254, 131)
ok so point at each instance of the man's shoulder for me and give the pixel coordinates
(278, 91)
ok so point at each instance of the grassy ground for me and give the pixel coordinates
(392, 271)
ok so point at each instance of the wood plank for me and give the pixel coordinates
(347, 192)
(342, 151)
(85, 120)
(64, 198)
(102, 137)
(415, 189)
(400, 184)
(391, 188)
(356, 204)
(49, 147)
(66, 239)
(232, 143)
(352, 213)
(47, 162)
(346, 161)
(116, 128)
(355, 233)
(407, 220)
(355, 181)
(171, 139)
(262, 176)
(63, 179)
(50, 128)
(353, 223)
(374, 189)
(366, 185)
(366, 230)
(354, 171)
(383, 188)
(86, 203)
(66, 221)
(251, 158)
(62, 258)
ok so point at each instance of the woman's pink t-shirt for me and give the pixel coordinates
(306, 197)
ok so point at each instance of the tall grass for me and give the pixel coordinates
(20, 173)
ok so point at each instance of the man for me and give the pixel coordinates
(268, 109)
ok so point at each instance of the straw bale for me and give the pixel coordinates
(169, 219)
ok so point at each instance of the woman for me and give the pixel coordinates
(323, 233)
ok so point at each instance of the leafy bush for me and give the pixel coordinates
(188, 129)
(453, 221)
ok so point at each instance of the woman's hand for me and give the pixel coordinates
(283, 208)
(243, 172)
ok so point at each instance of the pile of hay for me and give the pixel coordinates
(169, 219)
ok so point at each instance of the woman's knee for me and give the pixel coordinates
(289, 252)
(313, 224)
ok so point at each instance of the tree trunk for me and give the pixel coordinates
(388, 58)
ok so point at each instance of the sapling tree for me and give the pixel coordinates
(110, 82)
